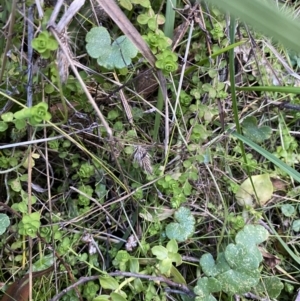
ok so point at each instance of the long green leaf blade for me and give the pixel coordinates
(265, 16)
(284, 167)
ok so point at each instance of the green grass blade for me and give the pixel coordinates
(168, 31)
(290, 171)
(215, 54)
(170, 18)
(279, 163)
(295, 90)
(266, 17)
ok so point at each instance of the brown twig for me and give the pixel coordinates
(181, 287)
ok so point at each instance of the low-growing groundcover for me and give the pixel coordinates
(148, 151)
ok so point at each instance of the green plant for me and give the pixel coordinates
(166, 256)
(167, 61)
(29, 225)
(44, 44)
(116, 55)
(236, 270)
(253, 132)
(184, 227)
(90, 290)
(128, 3)
(151, 19)
(4, 223)
(35, 115)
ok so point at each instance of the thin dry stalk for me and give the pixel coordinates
(84, 87)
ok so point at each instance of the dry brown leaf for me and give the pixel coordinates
(19, 290)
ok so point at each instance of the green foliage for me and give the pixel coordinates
(35, 115)
(237, 222)
(185, 99)
(296, 225)
(288, 210)
(151, 19)
(90, 290)
(108, 282)
(255, 133)
(157, 41)
(167, 61)
(121, 260)
(29, 225)
(116, 55)
(265, 16)
(4, 223)
(166, 256)
(236, 271)
(270, 287)
(128, 3)
(198, 167)
(82, 199)
(44, 44)
(86, 171)
(262, 188)
(184, 227)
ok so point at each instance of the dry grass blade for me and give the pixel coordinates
(142, 157)
(81, 82)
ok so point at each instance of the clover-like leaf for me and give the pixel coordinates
(4, 222)
(240, 256)
(263, 188)
(251, 235)
(143, 19)
(115, 55)
(184, 227)
(24, 113)
(253, 132)
(98, 42)
(296, 225)
(122, 51)
(208, 265)
(271, 286)
(205, 286)
(238, 281)
(288, 210)
(3, 126)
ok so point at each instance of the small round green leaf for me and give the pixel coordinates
(9, 116)
(296, 225)
(4, 222)
(185, 226)
(288, 210)
(255, 133)
(205, 286)
(122, 51)
(98, 42)
(3, 126)
(126, 4)
(252, 235)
